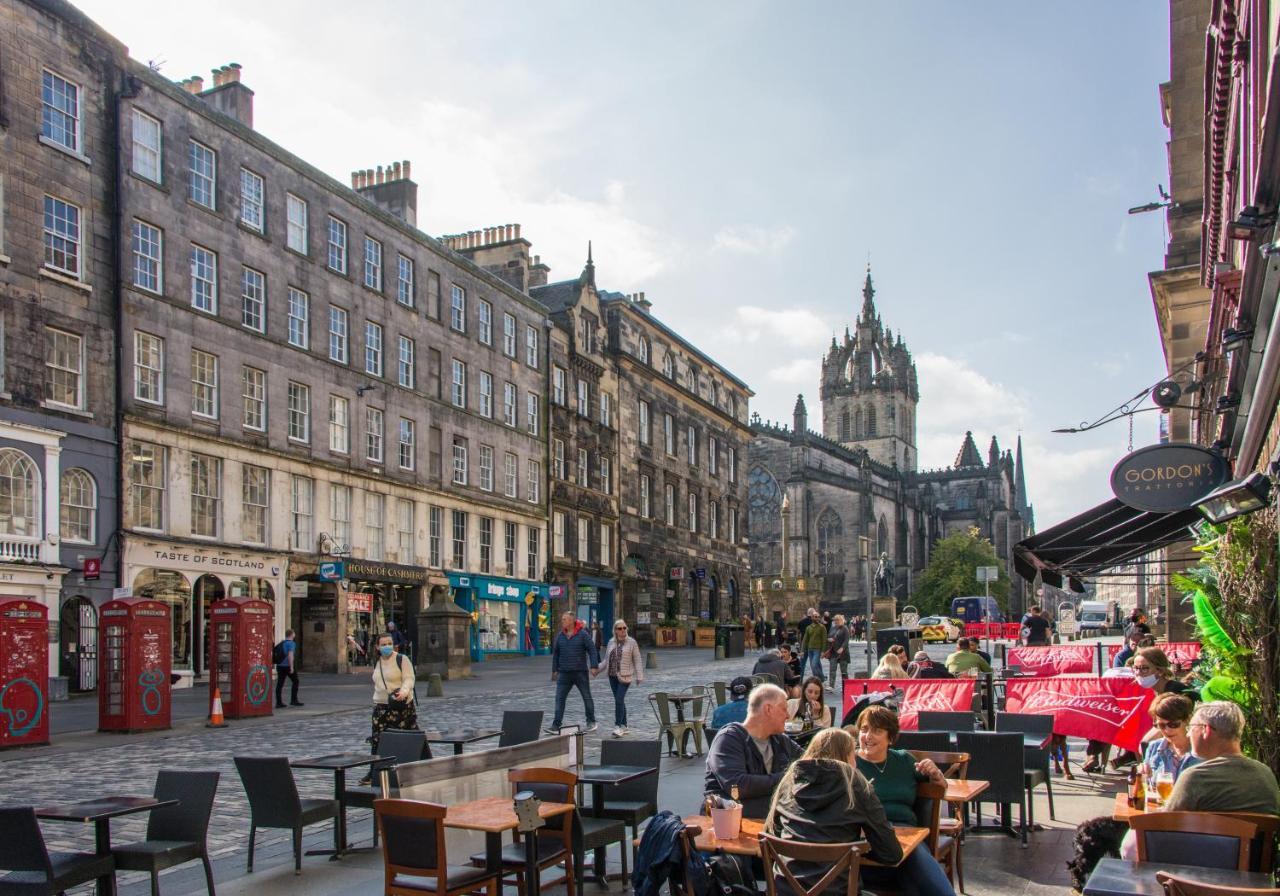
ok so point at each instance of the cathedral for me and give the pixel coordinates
(825, 507)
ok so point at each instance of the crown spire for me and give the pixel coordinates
(868, 298)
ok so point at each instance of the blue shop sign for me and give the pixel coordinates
(331, 571)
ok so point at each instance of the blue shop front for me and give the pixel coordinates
(595, 602)
(508, 616)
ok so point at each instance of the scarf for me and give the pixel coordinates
(615, 658)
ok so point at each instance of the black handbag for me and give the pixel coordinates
(394, 702)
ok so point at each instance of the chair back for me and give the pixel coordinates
(272, 792)
(722, 692)
(1262, 851)
(679, 883)
(928, 809)
(839, 858)
(647, 753)
(412, 838)
(1203, 839)
(767, 678)
(661, 708)
(953, 765)
(946, 721)
(403, 746)
(937, 741)
(22, 846)
(188, 821)
(1028, 723)
(697, 707)
(520, 726)
(551, 785)
(1179, 886)
(997, 757)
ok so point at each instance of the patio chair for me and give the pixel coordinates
(1262, 852)
(274, 802)
(953, 765)
(839, 860)
(721, 689)
(936, 741)
(395, 747)
(633, 801)
(33, 870)
(555, 841)
(679, 883)
(1203, 839)
(592, 834)
(696, 713)
(676, 731)
(414, 854)
(1036, 759)
(947, 721)
(520, 726)
(996, 756)
(175, 834)
(1178, 886)
(945, 847)
(765, 678)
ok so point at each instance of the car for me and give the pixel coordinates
(939, 628)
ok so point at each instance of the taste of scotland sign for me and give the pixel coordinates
(1165, 478)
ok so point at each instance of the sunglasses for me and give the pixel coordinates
(1168, 726)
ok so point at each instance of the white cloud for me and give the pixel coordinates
(801, 372)
(955, 397)
(747, 240)
(796, 327)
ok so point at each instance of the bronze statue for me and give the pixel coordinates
(885, 576)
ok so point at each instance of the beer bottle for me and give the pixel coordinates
(1131, 787)
(808, 715)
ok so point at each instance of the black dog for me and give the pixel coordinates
(1095, 840)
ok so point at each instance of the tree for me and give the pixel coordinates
(953, 572)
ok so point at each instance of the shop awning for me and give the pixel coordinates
(1109, 534)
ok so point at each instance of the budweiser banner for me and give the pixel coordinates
(1113, 710)
(918, 694)
(1180, 653)
(1060, 659)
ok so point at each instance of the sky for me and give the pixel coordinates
(741, 162)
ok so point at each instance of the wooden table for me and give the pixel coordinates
(495, 814)
(1116, 877)
(100, 812)
(747, 843)
(338, 763)
(966, 790)
(462, 736)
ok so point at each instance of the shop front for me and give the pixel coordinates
(595, 601)
(508, 616)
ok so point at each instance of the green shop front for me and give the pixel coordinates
(510, 617)
(593, 598)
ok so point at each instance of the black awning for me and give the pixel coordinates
(1109, 534)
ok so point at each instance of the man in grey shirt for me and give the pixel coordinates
(1227, 780)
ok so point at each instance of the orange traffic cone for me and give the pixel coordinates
(215, 714)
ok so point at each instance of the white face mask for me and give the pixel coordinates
(1148, 681)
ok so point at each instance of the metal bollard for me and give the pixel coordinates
(719, 651)
(435, 685)
(651, 660)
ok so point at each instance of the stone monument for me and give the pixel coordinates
(443, 632)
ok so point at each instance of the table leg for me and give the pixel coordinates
(340, 826)
(597, 806)
(106, 885)
(457, 748)
(533, 887)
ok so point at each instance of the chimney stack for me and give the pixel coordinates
(227, 94)
(389, 187)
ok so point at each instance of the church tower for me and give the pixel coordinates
(869, 390)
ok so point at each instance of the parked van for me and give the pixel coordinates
(976, 609)
(1095, 617)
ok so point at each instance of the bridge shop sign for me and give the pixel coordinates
(1167, 478)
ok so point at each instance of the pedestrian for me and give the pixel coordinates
(398, 639)
(394, 703)
(814, 642)
(1035, 628)
(574, 662)
(623, 664)
(838, 645)
(596, 637)
(780, 634)
(287, 667)
(762, 629)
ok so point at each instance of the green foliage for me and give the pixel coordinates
(953, 572)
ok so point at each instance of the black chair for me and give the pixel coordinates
(175, 834)
(1036, 759)
(933, 741)
(591, 834)
(946, 721)
(520, 727)
(996, 757)
(637, 800)
(415, 859)
(395, 747)
(33, 870)
(274, 802)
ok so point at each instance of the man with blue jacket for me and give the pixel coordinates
(574, 660)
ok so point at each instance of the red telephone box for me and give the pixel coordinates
(24, 672)
(135, 658)
(240, 655)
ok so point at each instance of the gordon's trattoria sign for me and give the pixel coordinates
(1165, 478)
(1059, 659)
(918, 695)
(1112, 710)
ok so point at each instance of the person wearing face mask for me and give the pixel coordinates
(1151, 669)
(393, 697)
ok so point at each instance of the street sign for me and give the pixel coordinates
(700, 572)
(1067, 622)
(330, 571)
(677, 573)
(92, 569)
(988, 573)
(118, 593)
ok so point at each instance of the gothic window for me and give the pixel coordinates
(871, 422)
(857, 424)
(765, 499)
(19, 495)
(882, 537)
(668, 366)
(844, 426)
(893, 419)
(830, 554)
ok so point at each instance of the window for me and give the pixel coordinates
(337, 334)
(299, 318)
(146, 146)
(406, 363)
(459, 539)
(642, 350)
(404, 281)
(535, 536)
(585, 338)
(486, 544)
(433, 295)
(204, 384)
(458, 310)
(733, 463)
(584, 539)
(583, 469)
(60, 111)
(733, 526)
(373, 435)
(251, 196)
(63, 368)
(147, 257)
(693, 512)
(669, 434)
(557, 386)
(606, 475)
(459, 460)
(255, 492)
(434, 524)
(646, 433)
(668, 366)
(433, 372)
(295, 223)
(508, 335)
(148, 368)
(511, 471)
(606, 544)
(509, 550)
(407, 444)
(486, 394)
(435, 452)
(531, 346)
(486, 468)
(532, 405)
(405, 531)
(484, 327)
(669, 516)
(374, 526)
(253, 389)
(21, 501)
(204, 279)
(206, 495)
(336, 245)
(458, 392)
(713, 455)
(147, 478)
(79, 499)
(339, 424)
(372, 264)
(302, 494)
(558, 521)
(606, 409)
(691, 438)
(646, 504)
(340, 515)
(372, 348)
(510, 405)
(299, 412)
(584, 398)
(713, 519)
(557, 459)
(253, 300)
(202, 174)
(534, 482)
(62, 236)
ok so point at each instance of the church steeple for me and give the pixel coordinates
(1019, 478)
(968, 456)
(588, 276)
(993, 453)
(868, 299)
(800, 417)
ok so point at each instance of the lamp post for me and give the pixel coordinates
(864, 554)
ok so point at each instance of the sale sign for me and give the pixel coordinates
(918, 695)
(1181, 654)
(1059, 659)
(1112, 710)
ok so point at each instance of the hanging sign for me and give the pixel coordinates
(359, 602)
(1166, 478)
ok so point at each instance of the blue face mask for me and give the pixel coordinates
(386, 650)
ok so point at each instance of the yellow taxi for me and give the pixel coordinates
(939, 628)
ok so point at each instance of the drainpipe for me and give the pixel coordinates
(128, 90)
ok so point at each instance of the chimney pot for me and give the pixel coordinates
(379, 176)
(355, 180)
(406, 169)
(197, 84)
(397, 170)
(233, 71)
(517, 231)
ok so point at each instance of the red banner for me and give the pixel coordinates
(1113, 710)
(1012, 631)
(1063, 659)
(1181, 653)
(918, 694)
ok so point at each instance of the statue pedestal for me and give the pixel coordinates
(884, 611)
(443, 632)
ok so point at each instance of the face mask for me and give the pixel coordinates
(386, 651)
(1148, 681)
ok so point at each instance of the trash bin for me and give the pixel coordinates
(908, 638)
(731, 638)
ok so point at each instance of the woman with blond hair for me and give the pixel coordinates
(890, 667)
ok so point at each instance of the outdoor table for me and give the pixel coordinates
(1116, 877)
(495, 814)
(679, 700)
(966, 790)
(461, 736)
(747, 843)
(100, 812)
(338, 763)
(598, 776)
(1122, 811)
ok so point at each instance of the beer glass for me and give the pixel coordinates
(1164, 786)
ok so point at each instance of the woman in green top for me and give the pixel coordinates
(893, 773)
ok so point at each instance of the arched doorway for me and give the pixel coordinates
(713, 597)
(208, 589)
(78, 639)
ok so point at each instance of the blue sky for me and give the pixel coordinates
(738, 163)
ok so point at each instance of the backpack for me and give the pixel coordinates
(730, 875)
(278, 655)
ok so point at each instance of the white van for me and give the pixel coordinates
(1095, 617)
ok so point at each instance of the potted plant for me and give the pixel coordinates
(669, 633)
(704, 633)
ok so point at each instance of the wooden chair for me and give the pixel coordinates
(678, 885)
(555, 844)
(1203, 839)
(1262, 852)
(841, 859)
(953, 765)
(1177, 886)
(414, 858)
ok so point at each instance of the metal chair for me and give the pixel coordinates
(696, 715)
(632, 801)
(520, 726)
(414, 855)
(274, 802)
(833, 860)
(175, 834)
(395, 747)
(996, 757)
(555, 844)
(936, 741)
(1203, 839)
(1036, 759)
(33, 870)
(722, 692)
(677, 732)
(947, 721)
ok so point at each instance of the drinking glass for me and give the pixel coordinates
(1164, 786)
